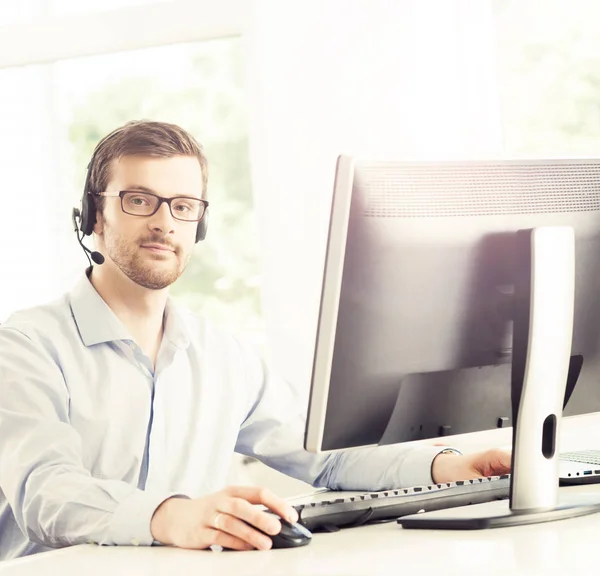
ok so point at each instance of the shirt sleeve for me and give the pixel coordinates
(273, 433)
(55, 500)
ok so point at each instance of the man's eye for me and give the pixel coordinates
(183, 207)
(138, 201)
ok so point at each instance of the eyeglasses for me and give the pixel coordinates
(183, 208)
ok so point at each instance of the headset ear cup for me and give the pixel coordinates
(88, 205)
(88, 214)
(202, 227)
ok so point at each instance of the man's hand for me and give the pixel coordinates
(226, 518)
(453, 467)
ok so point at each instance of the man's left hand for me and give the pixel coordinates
(453, 467)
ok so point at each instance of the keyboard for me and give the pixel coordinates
(582, 457)
(335, 513)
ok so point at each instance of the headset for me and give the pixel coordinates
(87, 215)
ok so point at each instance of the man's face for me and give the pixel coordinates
(152, 251)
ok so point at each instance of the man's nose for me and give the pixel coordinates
(162, 219)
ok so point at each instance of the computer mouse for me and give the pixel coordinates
(290, 535)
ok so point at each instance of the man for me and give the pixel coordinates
(119, 411)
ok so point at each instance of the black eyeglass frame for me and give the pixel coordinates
(161, 199)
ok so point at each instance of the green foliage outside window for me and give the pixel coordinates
(548, 59)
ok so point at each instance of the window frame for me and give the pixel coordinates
(64, 36)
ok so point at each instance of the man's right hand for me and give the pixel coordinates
(227, 518)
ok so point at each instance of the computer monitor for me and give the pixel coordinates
(457, 297)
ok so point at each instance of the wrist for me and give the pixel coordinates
(160, 522)
(441, 467)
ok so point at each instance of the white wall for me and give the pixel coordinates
(365, 77)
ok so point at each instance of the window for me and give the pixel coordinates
(548, 56)
(53, 115)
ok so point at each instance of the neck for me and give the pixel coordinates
(140, 309)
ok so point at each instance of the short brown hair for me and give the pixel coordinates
(144, 137)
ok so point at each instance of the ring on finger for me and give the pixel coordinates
(217, 520)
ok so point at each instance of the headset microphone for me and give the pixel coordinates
(96, 256)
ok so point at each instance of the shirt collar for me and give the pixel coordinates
(97, 323)
(176, 329)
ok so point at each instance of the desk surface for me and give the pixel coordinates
(567, 547)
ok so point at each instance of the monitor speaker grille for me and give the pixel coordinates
(478, 189)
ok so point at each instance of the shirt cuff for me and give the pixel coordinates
(416, 467)
(130, 525)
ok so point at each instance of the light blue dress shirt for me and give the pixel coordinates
(93, 438)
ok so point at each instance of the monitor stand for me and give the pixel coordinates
(543, 331)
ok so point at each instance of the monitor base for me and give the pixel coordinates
(570, 506)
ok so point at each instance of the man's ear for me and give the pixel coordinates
(99, 224)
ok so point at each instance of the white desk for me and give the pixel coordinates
(568, 547)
